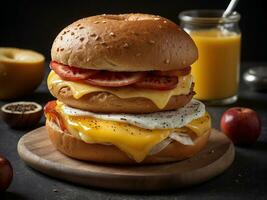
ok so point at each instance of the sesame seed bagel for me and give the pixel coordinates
(126, 42)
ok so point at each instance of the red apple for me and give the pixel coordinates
(6, 173)
(241, 125)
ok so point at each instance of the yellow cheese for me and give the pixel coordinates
(134, 141)
(160, 98)
(199, 125)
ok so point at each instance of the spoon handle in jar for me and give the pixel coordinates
(230, 8)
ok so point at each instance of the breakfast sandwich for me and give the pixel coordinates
(124, 91)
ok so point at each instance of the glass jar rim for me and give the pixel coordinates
(208, 17)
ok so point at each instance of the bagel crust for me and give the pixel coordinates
(126, 42)
(104, 102)
(110, 154)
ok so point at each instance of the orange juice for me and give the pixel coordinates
(216, 72)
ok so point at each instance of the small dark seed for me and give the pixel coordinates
(21, 107)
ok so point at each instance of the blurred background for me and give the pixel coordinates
(34, 24)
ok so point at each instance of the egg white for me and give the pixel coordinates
(158, 120)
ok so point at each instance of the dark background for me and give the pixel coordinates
(34, 24)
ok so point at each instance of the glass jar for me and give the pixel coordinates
(216, 72)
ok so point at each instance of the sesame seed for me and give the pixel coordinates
(97, 38)
(82, 39)
(61, 38)
(78, 25)
(62, 49)
(211, 151)
(92, 34)
(104, 21)
(167, 61)
(81, 27)
(111, 34)
(72, 33)
(125, 45)
(165, 22)
(96, 22)
(57, 49)
(103, 43)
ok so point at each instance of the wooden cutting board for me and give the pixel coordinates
(36, 150)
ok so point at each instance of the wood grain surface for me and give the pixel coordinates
(36, 150)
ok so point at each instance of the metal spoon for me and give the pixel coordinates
(256, 78)
(230, 8)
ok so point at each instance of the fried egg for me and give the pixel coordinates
(159, 120)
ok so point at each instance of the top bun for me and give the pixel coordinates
(126, 42)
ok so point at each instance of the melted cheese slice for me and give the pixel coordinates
(160, 98)
(134, 141)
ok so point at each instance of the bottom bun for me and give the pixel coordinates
(110, 154)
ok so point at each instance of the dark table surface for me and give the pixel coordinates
(245, 179)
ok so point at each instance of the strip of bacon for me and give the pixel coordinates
(50, 111)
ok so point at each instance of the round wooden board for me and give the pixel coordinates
(36, 150)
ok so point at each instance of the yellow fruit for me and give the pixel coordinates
(21, 72)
